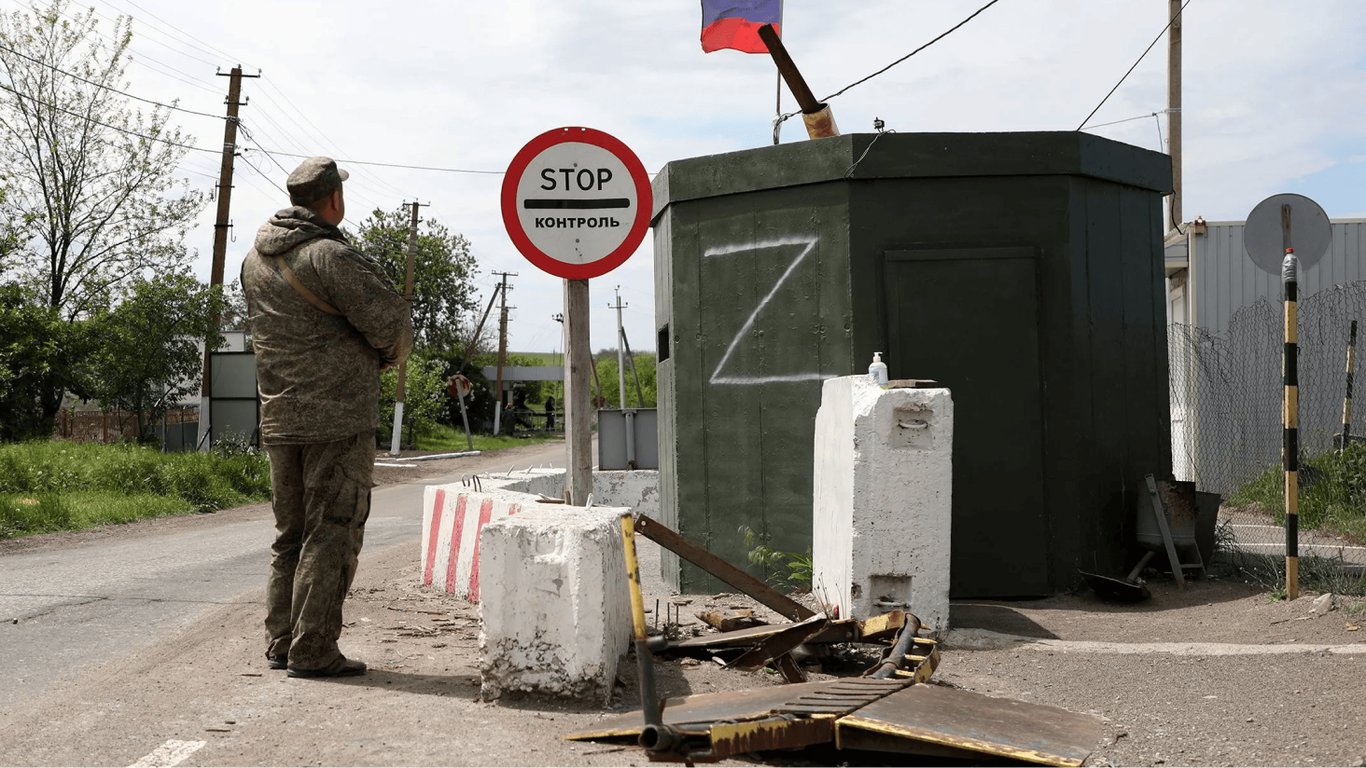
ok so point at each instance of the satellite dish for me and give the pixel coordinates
(1286, 221)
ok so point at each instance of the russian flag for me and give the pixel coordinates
(735, 24)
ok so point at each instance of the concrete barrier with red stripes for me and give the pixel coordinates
(452, 517)
(454, 514)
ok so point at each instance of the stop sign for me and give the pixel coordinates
(576, 202)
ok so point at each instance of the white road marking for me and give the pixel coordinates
(170, 754)
(986, 640)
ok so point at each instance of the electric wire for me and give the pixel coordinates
(152, 39)
(55, 68)
(204, 45)
(1130, 119)
(127, 131)
(134, 56)
(336, 149)
(378, 164)
(785, 116)
(264, 175)
(943, 35)
(1170, 22)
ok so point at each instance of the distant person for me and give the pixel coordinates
(325, 321)
(549, 413)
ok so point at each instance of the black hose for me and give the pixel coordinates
(892, 663)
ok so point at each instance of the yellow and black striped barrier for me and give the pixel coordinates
(1347, 398)
(1290, 449)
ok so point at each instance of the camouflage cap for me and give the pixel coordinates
(314, 179)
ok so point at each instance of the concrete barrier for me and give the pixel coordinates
(555, 611)
(455, 513)
(881, 512)
(550, 578)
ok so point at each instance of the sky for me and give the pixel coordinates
(1274, 100)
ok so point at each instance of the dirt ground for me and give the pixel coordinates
(1216, 674)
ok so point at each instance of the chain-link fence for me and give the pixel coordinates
(1227, 407)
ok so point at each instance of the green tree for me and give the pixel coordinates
(34, 348)
(147, 355)
(443, 276)
(424, 397)
(90, 184)
(606, 364)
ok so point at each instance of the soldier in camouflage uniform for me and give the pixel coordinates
(324, 322)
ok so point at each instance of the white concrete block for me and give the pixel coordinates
(637, 490)
(453, 514)
(554, 606)
(881, 512)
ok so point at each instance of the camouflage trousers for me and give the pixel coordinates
(321, 495)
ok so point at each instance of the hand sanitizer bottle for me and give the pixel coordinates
(877, 370)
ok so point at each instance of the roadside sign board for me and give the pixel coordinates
(576, 202)
(1286, 221)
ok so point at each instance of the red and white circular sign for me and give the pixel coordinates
(576, 202)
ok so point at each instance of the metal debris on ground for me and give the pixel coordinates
(858, 714)
(892, 707)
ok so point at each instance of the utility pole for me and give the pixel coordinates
(502, 347)
(220, 239)
(621, 351)
(1174, 107)
(578, 414)
(395, 440)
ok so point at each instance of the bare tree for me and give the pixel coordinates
(89, 172)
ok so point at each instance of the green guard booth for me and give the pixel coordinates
(1023, 271)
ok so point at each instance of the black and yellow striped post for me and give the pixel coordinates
(1290, 450)
(1347, 398)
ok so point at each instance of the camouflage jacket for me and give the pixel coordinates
(318, 374)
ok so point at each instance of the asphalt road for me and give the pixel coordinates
(79, 602)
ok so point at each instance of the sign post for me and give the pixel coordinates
(1282, 234)
(576, 203)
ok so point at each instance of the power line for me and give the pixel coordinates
(211, 48)
(399, 165)
(150, 38)
(337, 149)
(55, 68)
(950, 31)
(127, 131)
(136, 57)
(946, 33)
(1170, 22)
(277, 128)
(253, 140)
(1130, 119)
(263, 175)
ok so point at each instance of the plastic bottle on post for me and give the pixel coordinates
(877, 370)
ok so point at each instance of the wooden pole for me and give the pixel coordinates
(1347, 398)
(1174, 107)
(502, 349)
(819, 120)
(578, 407)
(1290, 449)
(400, 385)
(220, 239)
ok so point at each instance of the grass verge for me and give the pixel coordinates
(61, 486)
(1332, 494)
(445, 439)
